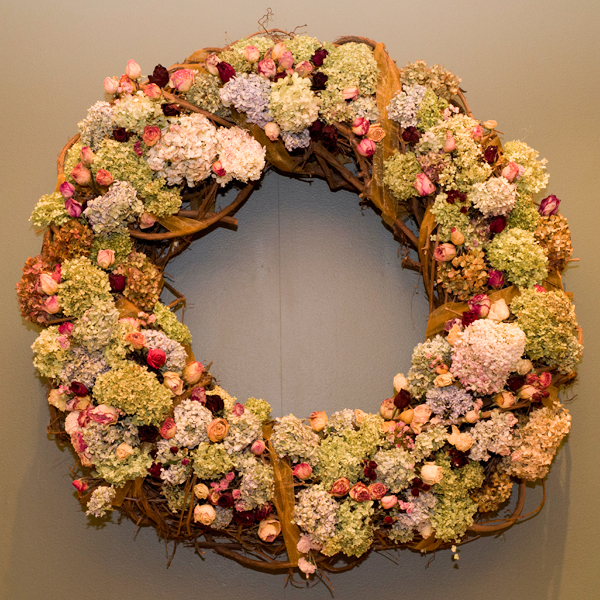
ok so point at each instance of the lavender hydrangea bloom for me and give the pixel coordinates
(449, 403)
(404, 105)
(83, 367)
(250, 95)
(109, 214)
(294, 141)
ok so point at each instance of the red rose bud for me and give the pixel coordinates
(120, 134)
(218, 169)
(65, 328)
(262, 512)
(498, 225)
(156, 358)
(137, 148)
(80, 486)
(318, 57)
(78, 389)
(480, 304)
(540, 289)
(468, 317)
(360, 126)
(490, 154)
(390, 520)
(226, 71)
(185, 462)
(495, 278)
(117, 282)
(366, 147)
(159, 77)
(155, 470)
(171, 110)
(549, 206)
(319, 81)
(402, 399)
(411, 135)
(73, 208)
(67, 190)
(103, 177)
(81, 175)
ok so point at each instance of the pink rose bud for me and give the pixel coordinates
(304, 68)
(211, 62)
(48, 284)
(258, 447)
(193, 372)
(540, 289)
(251, 54)
(65, 328)
(104, 178)
(87, 156)
(278, 50)
(133, 70)
(106, 258)
(360, 493)
(366, 147)
(218, 169)
(480, 304)
(477, 132)
(125, 85)
(153, 91)
(303, 471)
(286, 61)
(80, 486)
(350, 92)
(423, 185)
(388, 502)
(67, 190)
(340, 487)
(549, 206)
(146, 221)
(495, 278)
(267, 68)
(450, 143)
(111, 85)
(168, 429)
(151, 135)
(81, 175)
(545, 379)
(444, 252)
(238, 410)
(318, 420)
(182, 80)
(360, 126)
(512, 171)
(73, 208)
(272, 131)
(51, 305)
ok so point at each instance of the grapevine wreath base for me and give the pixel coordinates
(160, 440)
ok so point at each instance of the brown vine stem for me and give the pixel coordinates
(404, 232)
(195, 214)
(320, 150)
(464, 101)
(185, 104)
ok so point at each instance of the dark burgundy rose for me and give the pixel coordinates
(245, 517)
(214, 403)
(174, 449)
(319, 81)
(225, 500)
(498, 225)
(457, 458)
(455, 196)
(117, 282)
(490, 154)
(279, 76)
(185, 462)
(370, 473)
(262, 512)
(316, 130)
(147, 433)
(155, 470)
(415, 492)
(226, 71)
(411, 135)
(515, 383)
(425, 487)
(372, 464)
(318, 57)
(464, 210)
(417, 482)
(389, 520)
(171, 110)
(330, 135)
(468, 317)
(78, 389)
(402, 399)
(156, 358)
(159, 77)
(120, 134)
(153, 453)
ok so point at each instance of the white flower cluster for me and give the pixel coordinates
(315, 513)
(98, 124)
(134, 112)
(395, 468)
(242, 157)
(243, 430)
(494, 197)
(191, 419)
(293, 105)
(492, 435)
(110, 213)
(403, 107)
(100, 501)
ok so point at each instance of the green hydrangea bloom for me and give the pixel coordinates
(426, 356)
(259, 408)
(302, 47)
(448, 216)
(334, 108)
(175, 495)
(136, 111)
(171, 325)
(96, 326)
(524, 215)
(235, 54)
(519, 256)
(354, 532)
(395, 468)
(118, 472)
(204, 93)
(352, 64)
(211, 461)
(291, 437)
(159, 200)
(534, 179)
(83, 286)
(120, 244)
(430, 111)
(48, 355)
(400, 173)
(50, 208)
(293, 104)
(115, 352)
(427, 442)
(135, 390)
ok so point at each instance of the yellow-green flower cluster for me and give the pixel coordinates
(118, 472)
(48, 354)
(136, 111)
(235, 54)
(83, 286)
(120, 244)
(211, 461)
(175, 496)
(160, 200)
(117, 349)
(428, 441)
(395, 468)
(549, 322)
(449, 216)
(293, 105)
(425, 358)
(351, 64)
(171, 325)
(534, 179)
(135, 390)
(524, 215)
(259, 408)
(204, 94)
(435, 77)
(430, 111)
(400, 173)
(96, 326)
(291, 437)
(516, 253)
(302, 47)
(334, 107)
(338, 457)
(354, 531)
(50, 208)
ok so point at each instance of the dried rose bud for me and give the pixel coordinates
(387, 409)
(201, 491)
(431, 473)
(549, 206)
(527, 392)
(153, 91)
(512, 171)
(267, 68)
(504, 399)
(490, 155)
(151, 135)
(350, 92)
(156, 358)
(81, 175)
(444, 252)
(133, 70)
(319, 80)
(65, 328)
(146, 220)
(495, 278)
(359, 492)
(477, 132)
(303, 471)
(192, 372)
(377, 491)
(136, 339)
(103, 177)
(173, 382)
(204, 514)
(48, 284)
(402, 399)
(278, 50)
(376, 133)
(272, 131)
(450, 143)
(340, 487)
(406, 416)
(360, 126)
(120, 134)
(125, 85)
(251, 54)
(182, 80)
(78, 389)
(106, 258)
(319, 56)
(388, 502)
(111, 85)
(423, 185)
(218, 169)
(400, 382)
(51, 305)
(67, 190)
(498, 225)
(366, 147)
(80, 486)
(73, 208)
(411, 135)
(123, 451)
(168, 429)
(238, 410)
(318, 420)
(286, 61)
(217, 430)
(268, 530)
(480, 304)
(117, 282)
(258, 447)
(226, 71)
(499, 311)
(159, 77)
(171, 110)
(211, 62)
(456, 237)
(303, 68)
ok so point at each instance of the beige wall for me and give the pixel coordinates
(305, 304)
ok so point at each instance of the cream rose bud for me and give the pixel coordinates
(57, 399)
(251, 54)
(318, 420)
(201, 491)
(461, 441)
(272, 131)
(133, 70)
(124, 451)
(454, 334)
(269, 529)
(182, 80)
(87, 156)
(303, 471)
(51, 305)
(527, 392)
(211, 62)
(278, 50)
(456, 237)
(499, 311)
(504, 399)
(359, 416)
(258, 447)
(360, 126)
(388, 502)
(106, 258)
(48, 284)
(204, 514)
(192, 372)
(431, 473)
(388, 409)
(444, 252)
(524, 365)
(443, 380)
(304, 68)
(421, 414)
(350, 92)
(173, 382)
(146, 220)
(111, 85)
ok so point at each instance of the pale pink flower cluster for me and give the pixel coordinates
(240, 155)
(485, 355)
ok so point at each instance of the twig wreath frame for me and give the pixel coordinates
(159, 440)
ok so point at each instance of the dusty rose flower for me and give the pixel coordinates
(549, 206)
(258, 447)
(153, 91)
(269, 529)
(106, 258)
(182, 80)
(87, 156)
(360, 126)
(226, 71)
(477, 132)
(504, 399)
(376, 133)
(211, 62)
(238, 410)
(340, 487)
(78, 442)
(218, 169)
(168, 429)
(267, 68)
(104, 414)
(103, 177)
(146, 220)
(73, 208)
(278, 50)
(495, 278)
(303, 471)
(272, 131)
(124, 451)
(81, 175)
(51, 305)
(201, 491)
(133, 70)
(421, 414)
(431, 473)
(388, 409)
(136, 339)
(377, 491)
(80, 486)
(251, 53)
(217, 429)
(423, 185)
(360, 492)
(156, 358)
(366, 147)
(48, 284)
(480, 304)
(350, 92)
(192, 372)
(111, 85)
(125, 85)
(318, 420)
(79, 403)
(450, 143)
(303, 68)
(443, 380)
(512, 171)
(527, 392)
(444, 252)
(204, 514)
(540, 289)
(286, 61)
(67, 190)
(151, 135)
(545, 380)
(388, 502)
(173, 382)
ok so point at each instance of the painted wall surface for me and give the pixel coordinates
(306, 304)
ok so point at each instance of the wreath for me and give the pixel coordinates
(160, 440)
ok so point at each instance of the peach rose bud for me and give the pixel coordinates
(136, 339)
(444, 252)
(443, 380)
(111, 85)
(376, 132)
(204, 514)
(151, 135)
(51, 305)
(87, 156)
(153, 91)
(456, 237)
(504, 399)
(423, 185)
(168, 429)
(366, 147)
(201, 491)
(499, 311)
(173, 382)
(406, 416)
(182, 80)
(359, 416)
(251, 54)
(278, 50)
(106, 258)
(258, 447)
(318, 420)
(472, 416)
(303, 471)
(431, 473)
(350, 92)
(400, 382)
(272, 131)
(303, 68)
(218, 169)
(360, 126)
(269, 529)
(103, 177)
(48, 284)
(146, 220)
(450, 143)
(217, 429)
(461, 441)
(211, 62)
(388, 502)
(192, 372)
(124, 451)
(133, 70)
(81, 175)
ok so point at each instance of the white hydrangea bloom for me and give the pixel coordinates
(494, 197)
(242, 157)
